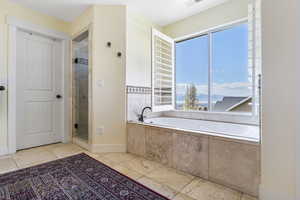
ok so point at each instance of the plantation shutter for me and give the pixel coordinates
(163, 97)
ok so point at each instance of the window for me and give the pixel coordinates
(192, 65)
(213, 73)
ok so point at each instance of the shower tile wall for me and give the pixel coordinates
(137, 99)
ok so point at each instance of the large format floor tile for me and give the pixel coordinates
(64, 150)
(105, 161)
(158, 187)
(141, 165)
(170, 177)
(32, 157)
(128, 172)
(204, 190)
(7, 165)
(118, 157)
(181, 196)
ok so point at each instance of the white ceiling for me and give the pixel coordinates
(161, 12)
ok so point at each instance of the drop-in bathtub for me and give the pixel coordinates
(224, 153)
(227, 130)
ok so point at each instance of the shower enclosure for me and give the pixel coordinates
(81, 87)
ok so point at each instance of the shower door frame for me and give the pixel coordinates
(90, 115)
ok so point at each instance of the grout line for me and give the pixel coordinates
(187, 185)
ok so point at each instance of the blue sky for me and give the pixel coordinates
(230, 61)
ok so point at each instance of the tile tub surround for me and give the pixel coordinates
(159, 146)
(190, 154)
(234, 164)
(230, 162)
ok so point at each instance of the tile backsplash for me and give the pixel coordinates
(137, 99)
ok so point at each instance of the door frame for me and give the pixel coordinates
(14, 24)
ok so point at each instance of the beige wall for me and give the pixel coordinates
(109, 24)
(109, 102)
(8, 8)
(108, 109)
(138, 71)
(280, 99)
(83, 21)
(225, 13)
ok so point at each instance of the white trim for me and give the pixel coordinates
(108, 148)
(297, 166)
(209, 32)
(12, 89)
(13, 21)
(3, 151)
(3, 94)
(82, 143)
(14, 26)
(168, 39)
(212, 29)
(66, 87)
(210, 66)
(254, 89)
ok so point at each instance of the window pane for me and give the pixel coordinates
(192, 74)
(231, 77)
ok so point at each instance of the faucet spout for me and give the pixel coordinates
(141, 118)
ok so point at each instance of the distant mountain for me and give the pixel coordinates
(201, 98)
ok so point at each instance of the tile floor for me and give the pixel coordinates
(173, 184)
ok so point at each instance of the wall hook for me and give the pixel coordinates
(119, 54)
(108, 44)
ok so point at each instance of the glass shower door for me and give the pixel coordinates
(81, 87)
(82, 106)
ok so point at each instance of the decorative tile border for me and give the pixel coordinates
(138, 90)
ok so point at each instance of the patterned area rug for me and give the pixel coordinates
(77, 177)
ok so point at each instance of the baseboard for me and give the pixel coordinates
(266, 194)
(108, 148)
(3, 151)
(81, 143)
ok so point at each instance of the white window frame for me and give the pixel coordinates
(209, 32)
(156, 108)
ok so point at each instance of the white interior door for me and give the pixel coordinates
(38, 81)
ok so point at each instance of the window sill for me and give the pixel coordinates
(238, 118)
